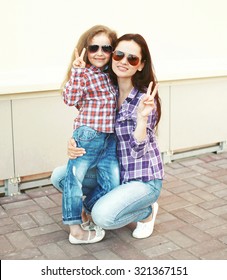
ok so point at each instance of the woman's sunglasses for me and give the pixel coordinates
(94, 48)
(132, 59)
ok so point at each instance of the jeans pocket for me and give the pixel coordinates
(84, 133)
(89, 139)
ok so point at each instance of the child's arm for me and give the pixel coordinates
(73, 89)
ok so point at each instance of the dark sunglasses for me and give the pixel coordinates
(132, 59)
(95, 48)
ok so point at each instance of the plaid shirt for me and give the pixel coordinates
(138, 160)
(91, 92)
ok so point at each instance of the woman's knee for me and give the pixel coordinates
(58, 176)
(100, 216)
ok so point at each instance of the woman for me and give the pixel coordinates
(141, 168)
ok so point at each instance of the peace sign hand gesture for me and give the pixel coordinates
(147, 104)
(79, 59)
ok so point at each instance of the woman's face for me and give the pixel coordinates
(100, 57)
(122, 67)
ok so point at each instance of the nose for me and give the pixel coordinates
(124, 60)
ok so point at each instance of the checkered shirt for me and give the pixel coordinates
(138, 160)
(91, 92)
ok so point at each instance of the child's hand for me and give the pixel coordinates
(79, 60)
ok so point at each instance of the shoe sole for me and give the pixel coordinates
(76, 241)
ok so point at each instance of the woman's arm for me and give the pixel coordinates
(144, 109)
(73, 151)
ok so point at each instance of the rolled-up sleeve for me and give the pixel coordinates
(74, 88)
(138, 149)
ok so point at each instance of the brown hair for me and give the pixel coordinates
(141, 79)
(85, 40)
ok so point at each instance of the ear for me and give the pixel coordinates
(141, 66)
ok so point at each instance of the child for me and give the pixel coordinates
(90, 90)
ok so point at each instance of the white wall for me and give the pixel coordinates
(186, 38)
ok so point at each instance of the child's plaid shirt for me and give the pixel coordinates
(90, 90)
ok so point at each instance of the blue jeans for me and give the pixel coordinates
(127, 203)
(130, 202)
(100, 153)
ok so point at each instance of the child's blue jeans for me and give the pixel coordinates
(100, 153)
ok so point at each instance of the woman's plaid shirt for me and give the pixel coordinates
(92, 93)
(138, 160)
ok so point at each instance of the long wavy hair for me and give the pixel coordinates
(141, 79)
(85, 40)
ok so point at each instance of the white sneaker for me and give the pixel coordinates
(144, 230)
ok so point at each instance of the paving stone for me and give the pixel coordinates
(210, 223)
(186, 216)
(19, 240)
(5, 246)
(50, 237)
(13, 198)
(8, 228)
(72, 251)
(180, 239)
(200, 212)
(169, 226)
(198, 235)
(218, 231)
(25, 221)
(206, 247)
(216, 188)
(43, 230)
(214, 203)
(215, 255)
(183, 255)
(182, 189)
(194, 199)
(106, 255)
(207, 180)
(3, 214)
(18, 204)
(127, 252)
(165, 248)
(194, 181)
(6, 221)
(42, 218)
(177, 205)
(56, 198)
(165, 217)
(53, 252)
(219, 210)
(27, 254)
(23, 210)
(44, 202)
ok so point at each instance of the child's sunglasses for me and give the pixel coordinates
(132, 59)
(94, 48)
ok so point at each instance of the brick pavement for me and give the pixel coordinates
(191, 223)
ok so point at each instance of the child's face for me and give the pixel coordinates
(102, 56)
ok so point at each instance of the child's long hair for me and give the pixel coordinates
(85, 40)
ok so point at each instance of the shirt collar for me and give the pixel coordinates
(95, 69)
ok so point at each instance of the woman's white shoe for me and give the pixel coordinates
(99, 235)
(144, 230)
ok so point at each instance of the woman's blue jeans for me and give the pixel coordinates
(130, 202)
(100, 153)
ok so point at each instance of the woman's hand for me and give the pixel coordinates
(73, 150)
(147, 104)
(79, 59)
